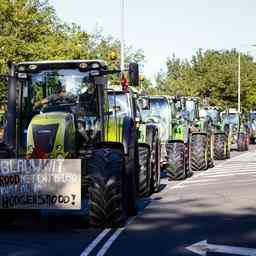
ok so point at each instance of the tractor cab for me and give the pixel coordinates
(60, 107)
(214, 115)
(192, 108)
(238, 128)
(177, 107)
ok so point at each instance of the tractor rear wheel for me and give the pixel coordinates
(176, 160)
(155, 165)
(241, 142)
(210, 163)
(219, 147)
(144, 173)
(108, 187)
(198, 151)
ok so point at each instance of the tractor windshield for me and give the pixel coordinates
(214, 114)
(231, 119)
(159, 110)
(191, 108)
(49, 83)
(52, 89)
(159, 107)
(119, 104)
(253, 116)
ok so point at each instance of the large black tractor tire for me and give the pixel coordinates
(176, 160)
(155, 158)
(7, 216)
(227, 152)
(241, 142)
(144, 173)
(198, 151)
(219, 147)
(247, 142)
(252, 141)
(210, 162)
(109, 189)
(156, 177)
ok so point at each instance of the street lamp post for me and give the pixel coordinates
(239, 83)
(122, 22)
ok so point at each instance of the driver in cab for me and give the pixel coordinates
(60, 92)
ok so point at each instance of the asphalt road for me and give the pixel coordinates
(217, 205)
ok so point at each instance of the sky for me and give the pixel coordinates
(165, 27)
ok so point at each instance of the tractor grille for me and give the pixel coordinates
(44, 136)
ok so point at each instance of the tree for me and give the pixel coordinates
(31, 30)
(211, 74)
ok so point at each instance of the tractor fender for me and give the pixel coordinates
(175, 141)
(149, 128)
(195, 133)
(143, 145)
(109, 144)
(128, 133)
(219, 133)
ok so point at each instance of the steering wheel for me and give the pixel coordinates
(62, 100)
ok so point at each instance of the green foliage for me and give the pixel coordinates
(211, 74)
(31, 30)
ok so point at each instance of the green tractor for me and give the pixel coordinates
(127, 103)
(58, 112)
(189, 147)
(239, 130)
(157, 112)
(252, 126)
(222, 135)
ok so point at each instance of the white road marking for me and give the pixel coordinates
(201, 248)
(112, 239)
(228, 174)
(240, 183)
(95, 242)
(235, 171)
(200, 180)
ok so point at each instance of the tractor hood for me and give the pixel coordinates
(51, 135)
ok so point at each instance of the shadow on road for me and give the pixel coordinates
(187, 222)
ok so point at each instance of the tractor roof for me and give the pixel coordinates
(101, 62)
(34, 66)
(192, 98)
(118, 89)
(158, 97)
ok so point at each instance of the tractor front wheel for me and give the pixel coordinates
(176, 160)
(241, 142)
(198, 152)
(219, 147)
(144, 170)
(107, 192)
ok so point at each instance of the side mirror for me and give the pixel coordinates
(134, 74)
(116, 108)
(145, 104)
(137, 121)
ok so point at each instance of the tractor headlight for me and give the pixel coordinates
(30, 148)
(60, 156)
(58, 147)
